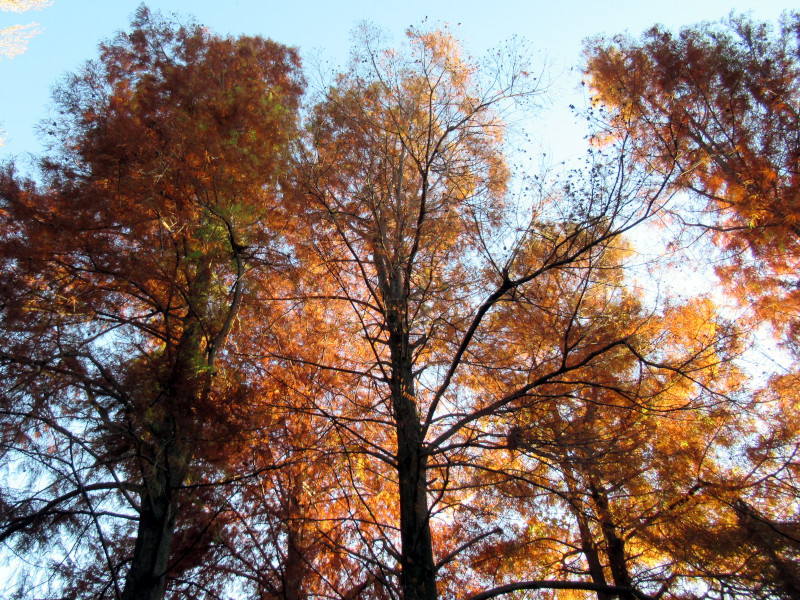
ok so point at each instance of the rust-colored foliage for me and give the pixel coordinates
(464, 337)
(244, 358)
(716, 105)
(127, 271)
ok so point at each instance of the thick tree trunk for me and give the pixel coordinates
(615, 546)
(295, 568)
(146, 577)
(165, 457)
(418, 577)
(418, 571)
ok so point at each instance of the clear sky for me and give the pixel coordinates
(71, 30)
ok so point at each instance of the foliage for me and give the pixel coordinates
(718, 103)
(245, 355)
(14, 39)
(127, 271)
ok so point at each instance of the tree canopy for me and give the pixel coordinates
(718, 102)
(257, 344)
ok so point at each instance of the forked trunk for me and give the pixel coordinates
(588, 543)
(615, 546)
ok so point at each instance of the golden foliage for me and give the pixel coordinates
(14, 39)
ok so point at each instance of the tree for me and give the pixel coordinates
(124, 275)
(613, 452)
(411, 253)
(286, 540)
(718, 102)
(14, 39)
(245, 358)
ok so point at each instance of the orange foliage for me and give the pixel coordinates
(244, 357)
(716, 106)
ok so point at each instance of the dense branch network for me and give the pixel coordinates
(255, 351)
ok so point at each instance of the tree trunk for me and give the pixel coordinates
(295, 568)
(146, 577)
(589, 549)
(418, 576)
(615, 546)
(588, 544)
(418, 571)
(165, 459)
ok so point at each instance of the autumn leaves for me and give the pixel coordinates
(253, 351)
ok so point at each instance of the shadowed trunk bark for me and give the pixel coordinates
(589, 549)
(418, 576)
(146, 578)
(418, 571)
(295, 568)
(588, 544)
(165, 458)
(615, 546)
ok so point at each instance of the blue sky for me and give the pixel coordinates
(73, 28)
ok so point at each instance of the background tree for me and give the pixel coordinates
(123, 278)
(287, 538)
(718, 102)
(13, 39)
(600, 457)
